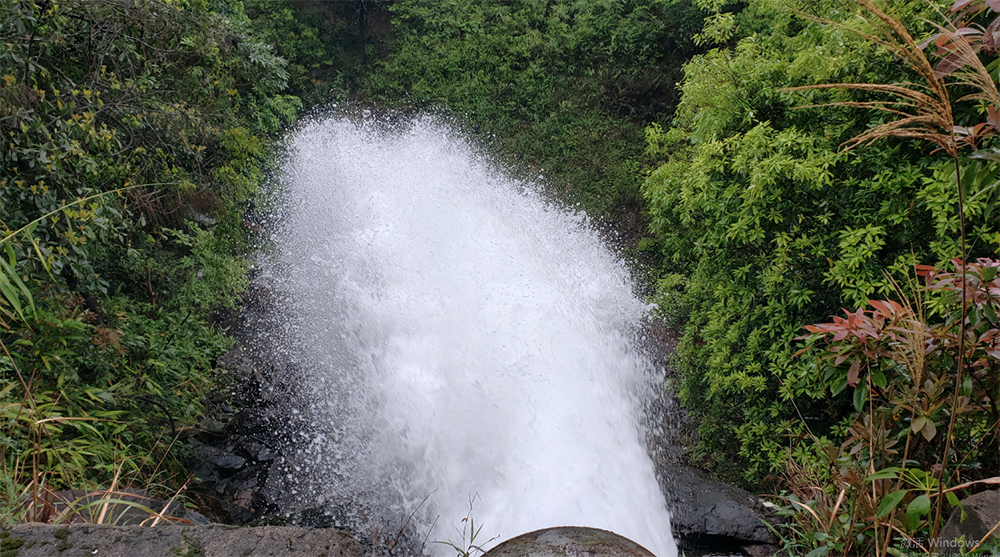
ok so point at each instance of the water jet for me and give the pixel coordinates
(454, 334)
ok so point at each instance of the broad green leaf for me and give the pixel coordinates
(917, 508)
(989, 273)
(889, 502)
(860, 396)
(917, 424)
(878, 379)
(929, 430)
(920, 505)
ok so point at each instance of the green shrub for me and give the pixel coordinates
(559, 88)
(134, 132)
(773, 227)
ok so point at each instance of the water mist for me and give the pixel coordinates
(454, 335)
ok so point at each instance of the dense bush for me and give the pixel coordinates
(328, 45)
(561, 88)
(134, 132)
(766, 225)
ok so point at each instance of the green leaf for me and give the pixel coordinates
(885, 474)
(989, 312)
(878, 379)
(8, 276)
(975, 317)
(860, 396)
(819, 551)
(917, 508)
(920, 505)
(8, 291)
(889, 502)
(838, 385)
(917, 424)
(952, 499)
(988, 273)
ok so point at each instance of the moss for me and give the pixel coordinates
(191, 548)
(10, 546)
(61, 535)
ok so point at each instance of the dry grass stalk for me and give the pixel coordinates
(913, 333)
(924, 110)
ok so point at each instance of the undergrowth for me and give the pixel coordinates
(135, 135)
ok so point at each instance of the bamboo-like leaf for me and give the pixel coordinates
(10, 292)
(952, 499)
(8, 276)
(886, 474)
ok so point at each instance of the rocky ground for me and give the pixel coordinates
(80, 540)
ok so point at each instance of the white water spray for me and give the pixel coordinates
(459, 336)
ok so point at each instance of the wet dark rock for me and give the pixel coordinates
(238, 456)
(219, 457)
(707, 513)
(79, 540)
(982, 513)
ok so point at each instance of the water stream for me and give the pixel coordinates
(458, 338)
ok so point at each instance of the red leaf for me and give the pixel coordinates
(990, 33)
(959, 4)
(993, 116)
(852, 374)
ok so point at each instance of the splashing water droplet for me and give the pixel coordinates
(461, 336)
